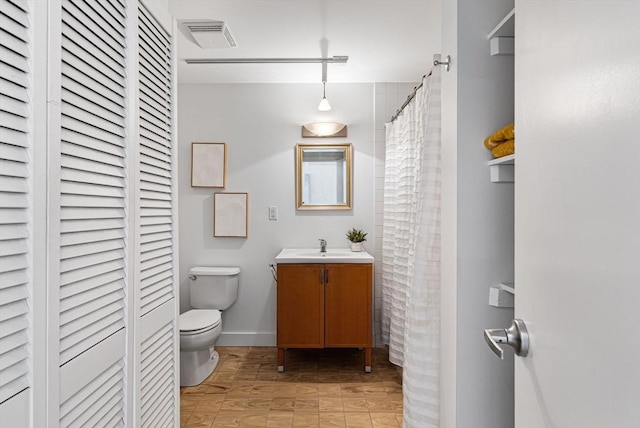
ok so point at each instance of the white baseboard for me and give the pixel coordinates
(246, 339)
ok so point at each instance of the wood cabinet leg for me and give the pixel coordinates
(367, 360)
(280, 360)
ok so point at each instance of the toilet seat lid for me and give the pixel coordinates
(199, 319)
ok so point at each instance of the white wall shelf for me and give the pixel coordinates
(506, 27)
(502, 170)
(509, 287)
(504, 160)
(501, 38)
(502, 296)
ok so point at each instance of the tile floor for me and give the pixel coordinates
(319, 388)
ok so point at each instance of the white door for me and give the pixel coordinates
(577, 213)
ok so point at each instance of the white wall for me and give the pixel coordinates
(477, 218)
(261, 125)
(448, 294)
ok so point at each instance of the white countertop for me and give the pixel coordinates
(313, 255)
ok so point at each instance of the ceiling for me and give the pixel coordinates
(385, 40)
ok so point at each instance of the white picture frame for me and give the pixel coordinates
(230, 214)
(209, 165)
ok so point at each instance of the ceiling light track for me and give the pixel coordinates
(331, 60)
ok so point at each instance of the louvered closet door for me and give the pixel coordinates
(15, 216)
(157, 282)
(92, 213)
(156, 166)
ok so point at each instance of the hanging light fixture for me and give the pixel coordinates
(324, 103)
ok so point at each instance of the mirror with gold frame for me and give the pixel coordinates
(323, 176)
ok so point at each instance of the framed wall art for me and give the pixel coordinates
(208, 164)
(230, 214)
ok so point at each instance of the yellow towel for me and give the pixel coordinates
(504, 149)
(500, 136)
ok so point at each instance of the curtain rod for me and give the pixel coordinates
(410, 97)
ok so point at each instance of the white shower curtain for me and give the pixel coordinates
(411, 252)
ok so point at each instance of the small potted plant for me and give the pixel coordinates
(357, 237)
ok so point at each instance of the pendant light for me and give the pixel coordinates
(324, 103)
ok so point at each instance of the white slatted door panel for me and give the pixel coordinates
(15, 222)
(94, 396)
(157, 348)
(156, 163)
(157, 381)
(93, 222)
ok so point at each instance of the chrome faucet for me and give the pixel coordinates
(323, 245)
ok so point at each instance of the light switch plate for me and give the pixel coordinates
(273, 213)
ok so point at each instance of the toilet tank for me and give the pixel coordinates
(213, 287)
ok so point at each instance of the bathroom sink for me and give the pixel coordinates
(312, 255)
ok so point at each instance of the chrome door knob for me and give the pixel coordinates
(515, 336)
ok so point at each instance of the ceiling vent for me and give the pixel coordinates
(209, 34)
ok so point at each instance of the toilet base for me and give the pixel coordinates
(196, 366)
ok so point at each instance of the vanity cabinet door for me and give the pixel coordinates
(300, 306)
(348, 305)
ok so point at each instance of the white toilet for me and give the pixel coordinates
(212, 290)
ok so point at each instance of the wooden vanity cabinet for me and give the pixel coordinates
(324, 305)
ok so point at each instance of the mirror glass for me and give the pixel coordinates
(323, 177)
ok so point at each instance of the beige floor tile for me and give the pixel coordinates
(384, 420)
(349, 377)
(219, 388)
(305, 420)
(259, 404)
(399, 419)
(352, 390)
(200, 420)
(285, 391)
(263, 389)
(253, 420)
(306, 389)
(332, 420)
(283, 404)
(277, 419)
(234, 404)
(268, 366)
(227, 419)
(330, 390)
(384, 404)
(394, 389)
(376, 389)
(221, 377)
(249, 366)
(354, 404)
(184, 417)
(210, 404)
(198, 389)
(189, 402)
(233, 350)
(267, 376)
(330, 378)
(331, 404)
(229, 366)
(241, 389)
(358, 420)
(246, 376)
(287, 376)
(306, 404)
